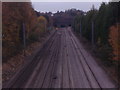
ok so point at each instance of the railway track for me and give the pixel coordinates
(25, 73)
(93, 83)
(93, 76)
(62, 63)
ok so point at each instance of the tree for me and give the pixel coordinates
(13, 16)
(103, 19)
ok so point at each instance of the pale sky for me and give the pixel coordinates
(70, 0)
(61, 6)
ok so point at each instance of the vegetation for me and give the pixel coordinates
(102, 19)
(63, 19)
(16, 16)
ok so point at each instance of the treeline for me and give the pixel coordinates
(65, 18)
(19, 23)
(95, 25)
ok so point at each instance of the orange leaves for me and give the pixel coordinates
(42, 24)
(114, 40)
(13, 15)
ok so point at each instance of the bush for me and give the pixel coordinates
(33, 37)
(104, 54)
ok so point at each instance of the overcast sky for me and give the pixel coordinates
(61, 6)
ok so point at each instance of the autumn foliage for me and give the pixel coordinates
(114, 40)
(94, 25)
(42, 23)
(14, 14)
